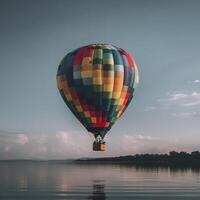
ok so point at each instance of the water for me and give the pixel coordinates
(38, 180)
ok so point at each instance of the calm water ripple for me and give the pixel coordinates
(43, 180)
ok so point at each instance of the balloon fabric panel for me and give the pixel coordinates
(97, 83)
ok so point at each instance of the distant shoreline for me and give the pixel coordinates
(173, 159)
(182, 159)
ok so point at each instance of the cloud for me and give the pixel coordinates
(150, 108)
(22, 139)
(186, 114)
(145, 137)
(141, 144)
(14, 137)
(6, 148)
(59, 145)
(148, 144)
(71, 144)
(182, 99)
(196, 81)
(39, 152)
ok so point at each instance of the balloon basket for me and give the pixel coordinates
(99, 146)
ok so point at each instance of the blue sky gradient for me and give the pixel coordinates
(163, 37)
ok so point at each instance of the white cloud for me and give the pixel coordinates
(6, 148)
(148, 144)
(59, 145)
(70, 144)
(186, 114)
(38, 152)
(22, 139)
(196, 81)
(177, 96)
(150, 108)
(132, 144)
(182, 99)
(144, 137)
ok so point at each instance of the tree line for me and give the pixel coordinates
(173, 158)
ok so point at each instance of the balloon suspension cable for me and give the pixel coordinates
(99, 139)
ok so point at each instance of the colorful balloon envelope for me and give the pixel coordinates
(97, 83)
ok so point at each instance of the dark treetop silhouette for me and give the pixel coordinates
(172, 159)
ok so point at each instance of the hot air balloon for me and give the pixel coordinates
(97, 83)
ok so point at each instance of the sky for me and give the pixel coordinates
(163, 37)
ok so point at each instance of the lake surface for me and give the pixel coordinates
(43, 180)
